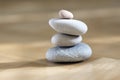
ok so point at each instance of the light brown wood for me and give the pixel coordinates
(25, 38)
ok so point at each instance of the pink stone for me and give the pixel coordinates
(65, 14)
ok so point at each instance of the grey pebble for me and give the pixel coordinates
(68, 26)
(76, 53)
(65, 40)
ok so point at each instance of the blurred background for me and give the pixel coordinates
(25, 33)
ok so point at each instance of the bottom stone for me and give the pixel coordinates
(76, 53)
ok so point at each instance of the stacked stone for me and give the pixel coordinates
(69, 47)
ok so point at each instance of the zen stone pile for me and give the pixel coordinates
(68, 41)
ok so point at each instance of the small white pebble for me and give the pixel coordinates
(65, 14)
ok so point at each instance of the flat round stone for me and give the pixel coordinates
(65, 40)
(68, 26)
(76, 53)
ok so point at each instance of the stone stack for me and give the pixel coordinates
(69, 47)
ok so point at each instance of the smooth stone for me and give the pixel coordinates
(76, 53)
(65, 14)
(65, 40)
(68, 26)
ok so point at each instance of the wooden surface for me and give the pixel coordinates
(25, 38)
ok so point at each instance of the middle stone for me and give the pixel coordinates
(68, 26)
(65, 40)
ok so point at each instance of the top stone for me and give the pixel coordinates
(64, 14)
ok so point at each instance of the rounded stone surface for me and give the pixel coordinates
(68, 26)
(65, 14)
(65, 40)
(76, 53)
